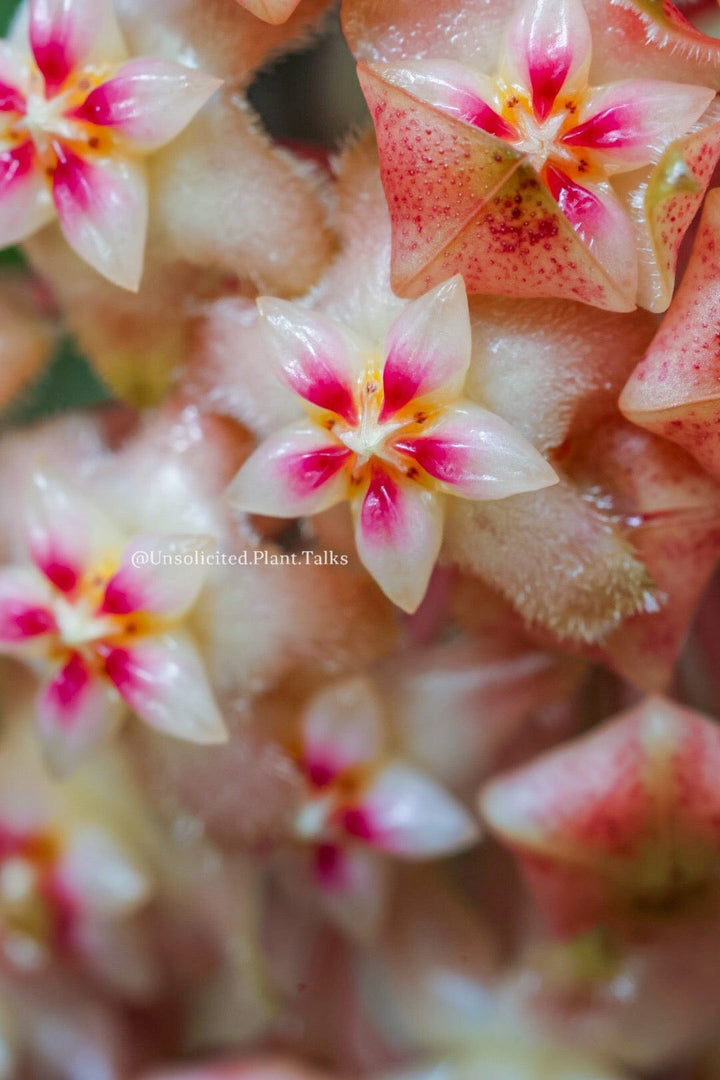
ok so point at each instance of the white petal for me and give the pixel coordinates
(148, 101)
(67, 533)
(342, 727)
(629, 123)
(353, 885)
(26, 617)
(317, 357)
(161, 575)
(409, 814)
(67, 34)
(428, 348)
(475, 453)
(398, 533)
(298, 471)
(101, 876)
(103, 210)
(75, 712)
(548, 50)
(164, 680)
(26, 204)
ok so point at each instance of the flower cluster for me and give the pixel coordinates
(428, 783)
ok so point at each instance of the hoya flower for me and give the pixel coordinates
(360, 802)
(491, 172)
(619, 827)
(100, 619)
(387, 430)
(77, 118)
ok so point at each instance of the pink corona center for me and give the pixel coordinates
(332, 812)
(35, 910)
(374, 441)
(85, 630)
(56, 130)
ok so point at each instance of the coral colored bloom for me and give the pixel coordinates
(76, 118)
(387, 431)
(546, 119)
(100, 619)
(360, 803)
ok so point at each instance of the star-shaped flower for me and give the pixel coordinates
(360, 803)
(76, 118)
(387, 430)
(619, 826)
(101, 620)
(491, 159)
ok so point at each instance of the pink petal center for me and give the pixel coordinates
(580, 206)
(547, 75)
(380, 517)
(440, 458)
(11, 100)
(356, 822)
(310, 470)
(329, 866)
(59, 574)
(118, 600)
(608, 129)
(20, 622)
(52, 59)
(69, 685)
(316, 382)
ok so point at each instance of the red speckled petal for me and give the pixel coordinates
(456, 90)
(464, 202)
(618, 823)
(674, 391)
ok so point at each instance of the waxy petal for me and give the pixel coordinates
(163, 680)
(99, 875)
(620, 824)
(15, 74)
(25, 201)
(25, 614)
(600, 221)
(315, 356)
(354, 885)
(103, 210)
(462, 201)
(67, 533)
(342, 728)
(298, 471)
(160, 575)
(67, 34)
(630, 123)
(408, 814)
(398, 532)
(149, 101)
(478, 455)
(428, 348)
(548, 50)
(75, 712)
(455, 89)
